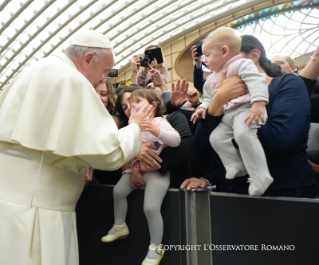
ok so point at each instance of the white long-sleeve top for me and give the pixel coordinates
(248, 72)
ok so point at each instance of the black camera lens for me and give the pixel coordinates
(144, 61)
(199, 48)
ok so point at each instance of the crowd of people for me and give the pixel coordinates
(242, 130)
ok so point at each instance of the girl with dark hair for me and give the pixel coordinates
(158, 132)
(284, 136)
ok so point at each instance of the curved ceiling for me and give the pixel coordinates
(290, 28)
(31, 29)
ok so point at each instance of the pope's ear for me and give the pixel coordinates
(87, 59)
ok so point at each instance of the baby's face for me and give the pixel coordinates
(213, 56)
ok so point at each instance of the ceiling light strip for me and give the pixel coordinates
(199, 25)
(47, 39)
(31, 38)
(27, 23)
(76, 29)
(15, 15)
(129, 25)
(4, 4)
(145, 30)
(107, 17)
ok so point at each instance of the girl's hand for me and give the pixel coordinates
(148, 126)
(157, 77)
(136, 179)
(154, 63)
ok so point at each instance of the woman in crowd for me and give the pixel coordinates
(145, 75)
(284, 136)
(107, 96)
(106, 92)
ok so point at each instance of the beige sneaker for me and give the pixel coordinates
(156, 261)
(122, 232)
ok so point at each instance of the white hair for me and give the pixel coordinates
(76, 51)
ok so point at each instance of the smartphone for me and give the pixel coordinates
(113, 73)
(155, 53)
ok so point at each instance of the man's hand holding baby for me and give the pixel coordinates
(257, 112)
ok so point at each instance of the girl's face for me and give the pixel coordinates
(101, 90)
(139, 102)
(125, 104)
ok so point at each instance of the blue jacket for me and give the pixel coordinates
(284, 139)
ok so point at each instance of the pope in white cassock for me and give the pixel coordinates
(53, 126)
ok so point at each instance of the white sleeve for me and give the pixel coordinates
(208, 96)
(130, 145)
(255, 81)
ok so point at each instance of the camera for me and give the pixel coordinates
(113, 73)
(145, 61)
(150, 55)
(199, 48)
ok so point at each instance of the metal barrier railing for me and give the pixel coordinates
(209, 228)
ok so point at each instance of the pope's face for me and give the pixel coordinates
(98, 69)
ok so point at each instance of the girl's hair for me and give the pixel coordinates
(118, 105)
(249, 43)
(160, 66)
(151, 96)
(112, 99)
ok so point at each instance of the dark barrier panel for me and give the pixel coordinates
(267, 224)
(95, 217)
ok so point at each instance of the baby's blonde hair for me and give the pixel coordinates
(224, 36)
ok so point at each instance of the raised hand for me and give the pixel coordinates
(179, 93)
(193, 96)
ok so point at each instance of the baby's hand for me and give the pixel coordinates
(148, 126)
(257, 112)
(199, 113)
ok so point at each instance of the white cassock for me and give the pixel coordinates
(53, 126)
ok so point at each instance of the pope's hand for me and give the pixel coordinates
(143, 113)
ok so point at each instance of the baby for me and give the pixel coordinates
(221, 50)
